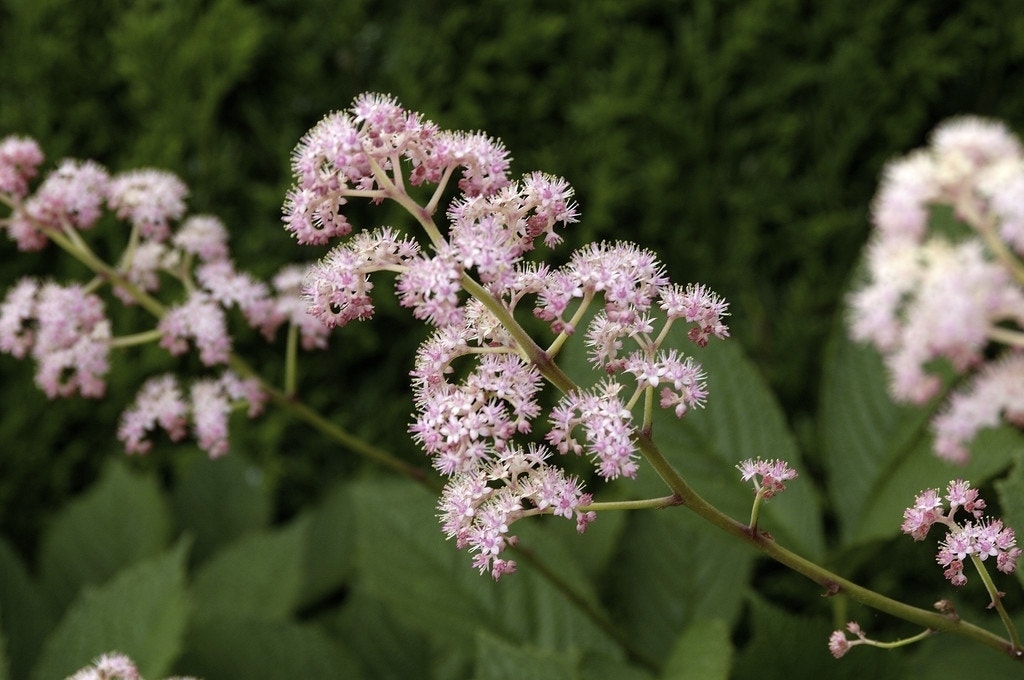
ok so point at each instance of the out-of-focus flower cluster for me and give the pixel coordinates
(476, 380)
(113, 666)
(976, 538)
(65, 327)
(945, 276)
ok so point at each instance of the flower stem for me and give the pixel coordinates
(832, 583)
(645, 504)
(997, 601)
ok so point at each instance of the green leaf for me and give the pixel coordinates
(878, 455)
(403, 560)
(259, 576)
(1011, 500)
(786, 646)
(386, 648)
(218, 500)
(232, 647)
(24, 612)
(742, 420)
(944, 656)
(141, 612)
(5, 662)
(121, 519)
(496, 659)
(702, 652)
(673, 571)
(330, 542)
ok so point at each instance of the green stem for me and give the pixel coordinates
(899, 643)
(291, 352)
(645, 504)
(997, 601)
(527, 346)
(832, 583)
(135, 339)
(306, 414)
(755, 509)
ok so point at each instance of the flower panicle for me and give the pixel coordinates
(950, 292)
(976, 538)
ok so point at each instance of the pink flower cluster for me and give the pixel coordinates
(773, 475)
(978, 537)
(839, 644)
(65, 328)
(947, 292)
(379, 151)
(162, 403)
(113, 666)
(467, 427)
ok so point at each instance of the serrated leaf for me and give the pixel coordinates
(386, 648)
(878, 455)
(1011, 500)
(141, 612)
(947, 656)
(218, 500)
(258, 576)
(742, 420)
(674, 571)
(330, 544)
(24, 612)
(702, 652)
(121, 519)
(496, 659)
(232, 647)
(403, 560)
(786, 646)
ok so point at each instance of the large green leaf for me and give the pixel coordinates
(141, 612)
(386, 648)
(878, 455)
(218, 500)
(702, 652)
(741, 420)
(1011, 499)
(231, 647)
(498, 660)
(258, 576)
(672, 571)
(404, 561)
(120, 520)
(24, 612)
(785, 646)
(330, 543)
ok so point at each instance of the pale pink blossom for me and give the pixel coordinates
(159, 402)
(67, 332)
(204, 236)
(150, 199)
(977, 538)
(994, 394)
(73, 194)
(479, 506)
(20, 158)
(200, 320)
(768, 476)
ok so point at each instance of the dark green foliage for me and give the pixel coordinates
(740, 140)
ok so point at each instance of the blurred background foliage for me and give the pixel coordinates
(741, 140)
